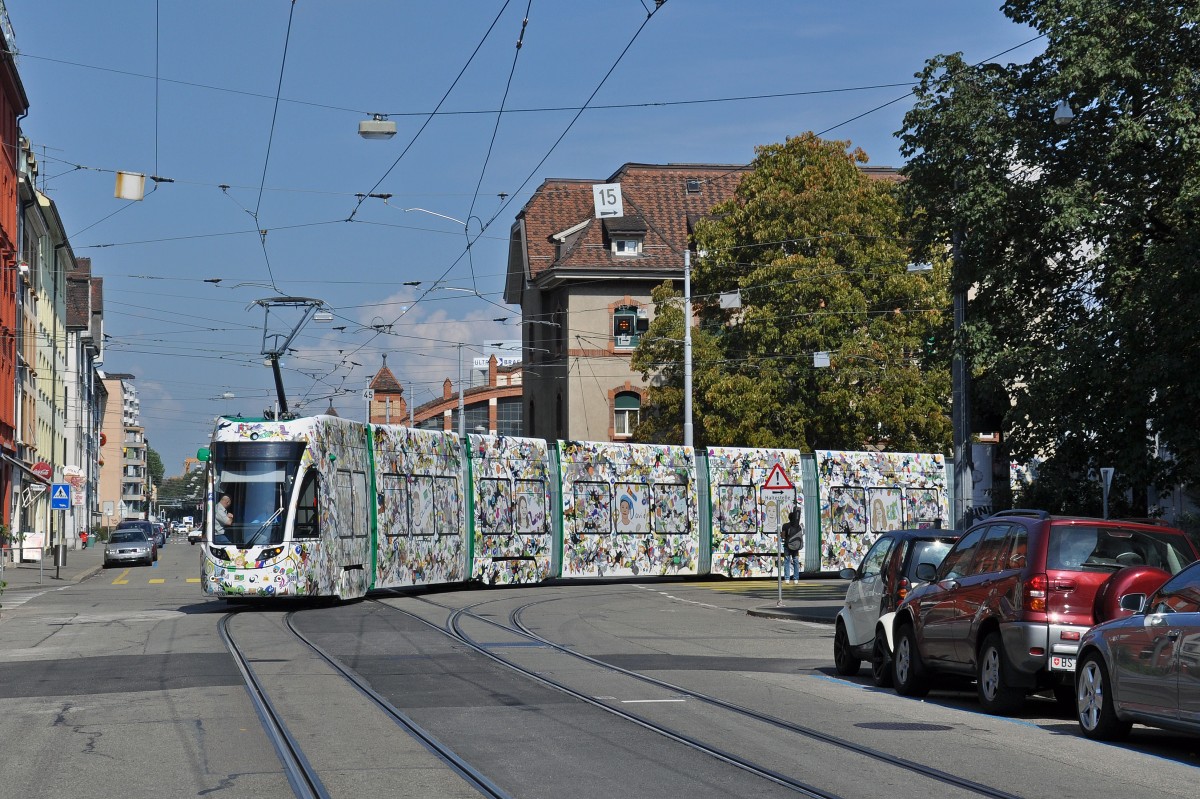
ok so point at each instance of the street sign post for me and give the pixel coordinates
(60, 496)
(778, 489)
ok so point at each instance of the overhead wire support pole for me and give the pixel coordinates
(687, 348)
(960, 399)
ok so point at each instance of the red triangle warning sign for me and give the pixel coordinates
(777, 479)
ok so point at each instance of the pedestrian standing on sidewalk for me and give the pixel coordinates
(793, 541)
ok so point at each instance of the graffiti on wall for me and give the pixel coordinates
(419, 499)
(513, 532)
(866, 493)
(747, 520)
(628, 509)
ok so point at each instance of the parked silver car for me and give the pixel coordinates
(1144, 668)
(128, 545)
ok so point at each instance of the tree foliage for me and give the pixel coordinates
(813, 246)
(1079, 242)
(154, 465)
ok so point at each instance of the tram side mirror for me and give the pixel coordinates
(203, 454)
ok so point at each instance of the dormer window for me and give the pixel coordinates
(627, 246)
(625, 235)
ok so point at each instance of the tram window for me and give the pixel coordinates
(632, 514)
(847, 509)
(307, 509)
(421, 505)
(393, 505)
(361, 504)
(670, 508)
(593, 508)
(529, 516)
(495, 506)
(735, 509)
(448, 505)
(887, 509)
(345, 504)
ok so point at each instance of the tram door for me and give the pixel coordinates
(351, 536)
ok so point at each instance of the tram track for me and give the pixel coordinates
(517, 627)
(301, 775)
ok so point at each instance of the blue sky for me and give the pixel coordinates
(293, 168)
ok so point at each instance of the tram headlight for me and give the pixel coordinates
(267, 554)
(218, 553)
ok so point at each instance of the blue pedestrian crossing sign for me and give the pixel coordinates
(60, 496)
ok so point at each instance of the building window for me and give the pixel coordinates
(626, 409)
(627, 246)
(508, 416)
(625, 327)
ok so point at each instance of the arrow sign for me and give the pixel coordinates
(607, 199)
(60, 496)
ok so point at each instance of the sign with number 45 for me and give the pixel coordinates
(607, 197)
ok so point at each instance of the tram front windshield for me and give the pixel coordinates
(258, 485)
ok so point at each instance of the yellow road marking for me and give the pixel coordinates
(155, 580)
(193, 579)
(121, 578)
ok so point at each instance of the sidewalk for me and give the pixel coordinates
(815, 598)
(30, 576)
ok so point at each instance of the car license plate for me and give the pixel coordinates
(1060, 663)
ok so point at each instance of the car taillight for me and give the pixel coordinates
(1035, 593)
(903, 589)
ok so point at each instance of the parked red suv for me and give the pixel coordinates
(1011, 600)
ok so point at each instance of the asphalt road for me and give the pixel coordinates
(120, 686)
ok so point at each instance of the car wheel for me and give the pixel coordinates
(995, 694)
(843, 656)
(1094, 701)
(881, 660)
(908, 672)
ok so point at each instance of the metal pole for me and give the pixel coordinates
(462, 418)
(960, 404)
(411, 423)
(687, 348)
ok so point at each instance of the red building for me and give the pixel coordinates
(13, 104)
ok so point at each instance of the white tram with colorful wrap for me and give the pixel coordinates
(324, 506)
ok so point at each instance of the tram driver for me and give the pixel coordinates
(222, 518)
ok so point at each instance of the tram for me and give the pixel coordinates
(327, 507)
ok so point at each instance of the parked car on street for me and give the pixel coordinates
(128, 545)
(147, 529)
(1144, 667)
(1013, 598)
(888, 572)
(160, 534)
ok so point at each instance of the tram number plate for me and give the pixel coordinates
(1060, 663)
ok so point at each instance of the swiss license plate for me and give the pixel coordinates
(1061, 663)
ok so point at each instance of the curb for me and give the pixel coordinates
(789, 614)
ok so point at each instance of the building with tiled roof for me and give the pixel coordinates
(584, 286)
(491, 402)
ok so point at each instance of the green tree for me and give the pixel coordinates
(812, 244)
(1078, 241)
(154, 465)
